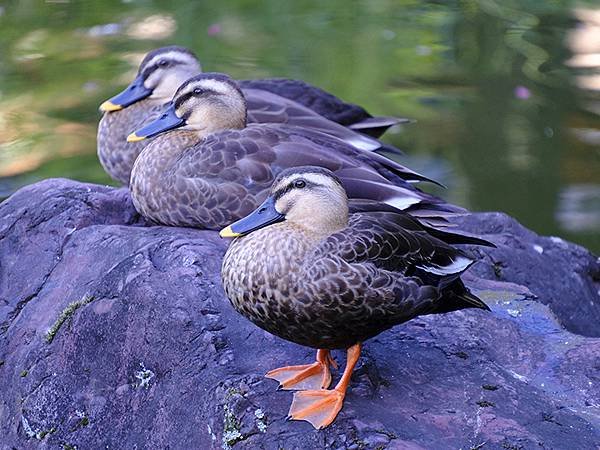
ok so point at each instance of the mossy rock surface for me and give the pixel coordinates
(159, 359)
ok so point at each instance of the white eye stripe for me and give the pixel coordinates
(317, 178)
(311, 178)
(208, 84)
(178, 57)
(213, 85)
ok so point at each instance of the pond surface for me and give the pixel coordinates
(506, 95)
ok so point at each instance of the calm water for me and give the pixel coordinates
(506, 94)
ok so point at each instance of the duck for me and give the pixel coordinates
(207, 166)
(326, 104)
(164, 69)
(159, 75)
(322, 271)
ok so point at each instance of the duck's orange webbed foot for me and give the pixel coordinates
(321, 407)
(307, 376)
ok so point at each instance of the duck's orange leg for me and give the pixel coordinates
(321, 407)
(307, 376)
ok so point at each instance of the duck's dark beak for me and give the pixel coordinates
(264, 215)
(167, 121)
(135, 92)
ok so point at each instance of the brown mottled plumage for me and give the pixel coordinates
(320, 275)
(209, 168)
(163, 70)
(116, 155)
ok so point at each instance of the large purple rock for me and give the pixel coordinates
(150, 354)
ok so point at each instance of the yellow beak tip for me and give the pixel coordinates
(135, 138)
(109, 106)
(228, 233)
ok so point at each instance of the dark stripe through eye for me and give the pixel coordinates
(197, 92)
(182, 99)
(163, 63)
(296, 184)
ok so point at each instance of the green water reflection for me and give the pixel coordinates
(506, 98)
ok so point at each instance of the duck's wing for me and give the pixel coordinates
(251, 158)
(378, 125)
(266, 107)
(383, 270)
(364, 175)
(387, 165)
(325, 104)
(396, 242)
(432, 218)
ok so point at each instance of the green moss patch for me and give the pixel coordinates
(66, 314)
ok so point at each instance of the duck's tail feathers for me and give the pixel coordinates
(397, 197)
(398, 169)
(459, 297)
(429, 211)
(457, 238)
(376, 126)
(387, 148)
(433, 209)
(471, 300)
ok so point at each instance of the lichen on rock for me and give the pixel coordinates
(65, 315)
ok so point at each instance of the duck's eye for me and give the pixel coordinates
(163, 63)
(198, 91)
(299, 184)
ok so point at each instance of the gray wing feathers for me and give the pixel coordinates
(265, 107)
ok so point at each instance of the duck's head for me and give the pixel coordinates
(312, 198)
(204, 104)
(160, 74)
